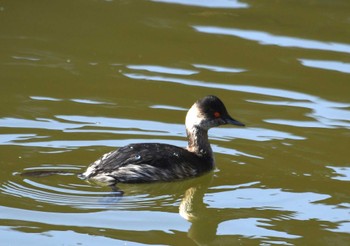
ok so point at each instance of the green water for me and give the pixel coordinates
(80, 78)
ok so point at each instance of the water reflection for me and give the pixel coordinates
(299, 196)
(88, 124)
(327, 114)
(77, 100)
(342, 173)
(141, 203)
(265, 38)
(214, 214)
(219, 68)
(218, 225)
(227, 4)
(54, 237)
(218, 216)
(242, 88)
(328, 65)
(162, 69)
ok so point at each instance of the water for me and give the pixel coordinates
(81, 78)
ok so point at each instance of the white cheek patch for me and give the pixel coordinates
(194, 117)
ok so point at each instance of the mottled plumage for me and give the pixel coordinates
(149, 162)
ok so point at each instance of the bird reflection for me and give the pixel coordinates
(194, 210)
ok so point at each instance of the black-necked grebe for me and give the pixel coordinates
(149, 162)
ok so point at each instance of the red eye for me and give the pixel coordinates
(217, 114)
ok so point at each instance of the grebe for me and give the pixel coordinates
(150, 162)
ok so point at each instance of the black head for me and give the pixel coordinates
(210, 112)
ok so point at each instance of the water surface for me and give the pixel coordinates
(82, 78)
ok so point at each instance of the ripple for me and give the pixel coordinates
(53, 195)
(78, 124)
(162, 69)
(305, 205)
(342, 173)
(42, 58)
(109, 219)
(40, 185)
(328, 65)
(168, 107)
(265, 38)
(227, 4)
(11, 138)
(77, 100)
(76, 195)
(219, 68)
(38, 123)
(26, 58)
(327, 114)
(242, 88)
(40, 98)
(252, 227)
(55, 237)
(88, 101)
